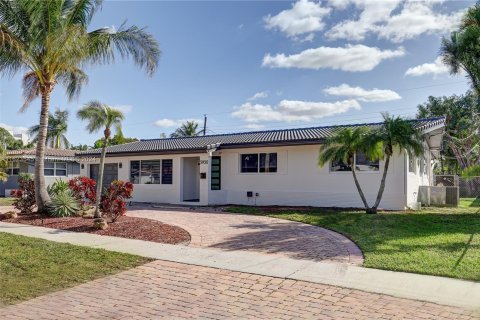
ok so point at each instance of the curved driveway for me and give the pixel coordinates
(230, 232)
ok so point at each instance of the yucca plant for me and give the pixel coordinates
(64, 204)
(59, 186)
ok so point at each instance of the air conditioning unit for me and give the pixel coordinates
(441, 196)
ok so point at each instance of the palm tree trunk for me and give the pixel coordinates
(359, 188)
(41, 194)
(98, 214)
(382, 185)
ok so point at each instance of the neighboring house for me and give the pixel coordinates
(59, 164)
(278, 167)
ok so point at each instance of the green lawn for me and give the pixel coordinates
(32, 267)
(436, 241)
(6, 201)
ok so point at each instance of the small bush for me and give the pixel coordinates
(64, 204)
(115, 197)
(59, 186)
(25, 195)
(83, 189)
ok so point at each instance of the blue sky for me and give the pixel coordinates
(264, 65)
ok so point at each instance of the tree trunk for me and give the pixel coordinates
(41, 195)
(382, 185)
(359, 188)
(98, 214)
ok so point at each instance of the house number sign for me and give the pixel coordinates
(203, 161)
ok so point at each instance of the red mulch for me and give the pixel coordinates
(124, 227)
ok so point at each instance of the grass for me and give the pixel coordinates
(32, 267)
(435, 241)
(6, 201)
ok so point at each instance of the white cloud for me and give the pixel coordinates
(173, 123)
(395, 20)
(254, 126)
(14, 129)
(349, 58)
(291, 110)
(436, 68)
(417, 18)
(372, 13)
(123, 108)
(258, 95)
(374, 95)
(304, 17)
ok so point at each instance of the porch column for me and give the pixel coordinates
(204, 178)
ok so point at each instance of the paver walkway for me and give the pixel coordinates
(168, 290)
(237, 232)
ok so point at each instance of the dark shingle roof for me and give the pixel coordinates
(233, 140)
(64, 154)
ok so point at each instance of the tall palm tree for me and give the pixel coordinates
(344, 145)
(56, 129)
(460, 51)
(49, 40)
(101, 116)
(187, 129)
(395, 134)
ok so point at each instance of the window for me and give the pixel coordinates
(13, 168)
(55, 169)
(362, 164)
(149, 171)
(258, 162)
(215, 175)
(167, 172)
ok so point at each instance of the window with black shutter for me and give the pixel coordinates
(215, 175)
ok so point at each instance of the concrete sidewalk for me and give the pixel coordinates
(445, 291)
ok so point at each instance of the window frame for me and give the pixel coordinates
(380, 167)
(219, 184)
(11, 166)
(258, 155)
(161, 173)
(55, 169)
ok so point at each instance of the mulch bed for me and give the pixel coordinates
(124, 227)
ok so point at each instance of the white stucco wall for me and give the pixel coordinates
(298, 181)
(418, 178)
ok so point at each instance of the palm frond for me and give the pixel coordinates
(31, 89)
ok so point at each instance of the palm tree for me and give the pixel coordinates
(187, 129)
(56, 129)
(460, 50)
(395, 133)
(344, 145)
(101, 116)
(48, 39)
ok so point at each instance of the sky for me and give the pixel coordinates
(252, 65)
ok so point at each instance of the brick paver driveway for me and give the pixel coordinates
(226, 231)
(167, 290)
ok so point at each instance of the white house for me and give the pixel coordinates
(277, 167)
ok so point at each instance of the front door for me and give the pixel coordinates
(110, 173)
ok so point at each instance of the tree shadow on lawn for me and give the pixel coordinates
(447, 236)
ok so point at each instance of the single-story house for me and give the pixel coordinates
(59, 164)
(275, 167)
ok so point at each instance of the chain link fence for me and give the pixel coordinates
(467, 188)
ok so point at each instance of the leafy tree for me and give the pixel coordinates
(56, 129)
(50, 41)
(3, 165)
(8, 141)
(395, 134)
(461, 141)
(117, 139)
(187, 129)
(101, 116)
(80, 147)
(343, 146)
(460, 51)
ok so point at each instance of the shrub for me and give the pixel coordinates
(115, 197)
(83, 189)
(59, 186)
(25, 195)
(64, 204)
